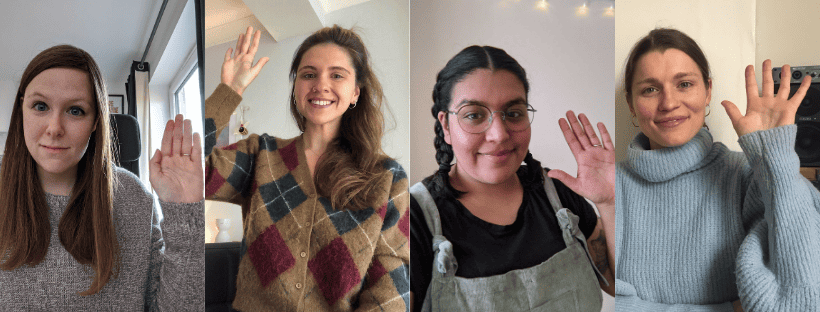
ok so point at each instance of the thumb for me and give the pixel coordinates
(155, 165)
(732, 111)
(260, 63)
(565, 178)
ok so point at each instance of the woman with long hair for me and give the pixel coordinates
(78, 232)
(325, 214)
(700, 227)
(489, 234)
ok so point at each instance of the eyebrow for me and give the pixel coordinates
(677, 76)
(72, 100)
(331, 68)
(477, 102)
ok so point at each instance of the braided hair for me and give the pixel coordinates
(461, 65)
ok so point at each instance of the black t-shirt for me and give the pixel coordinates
(485, 249)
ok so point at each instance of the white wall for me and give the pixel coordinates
(732, 34)
(383, 25)
(568, 60)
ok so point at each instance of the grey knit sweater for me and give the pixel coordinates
(699, 226)
(162, 268)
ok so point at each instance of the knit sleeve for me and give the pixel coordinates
(387, 283)
(228, 170)
(626, 299)
(176, 271)
(776, 265)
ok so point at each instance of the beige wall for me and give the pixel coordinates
(733, 34)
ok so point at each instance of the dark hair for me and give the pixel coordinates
(461, 65)
(661, 39)
(86, 229)
(351, 168)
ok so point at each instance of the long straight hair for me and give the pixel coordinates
(86, 229)
(351, 169)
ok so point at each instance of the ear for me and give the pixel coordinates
(356, 95)
(445, 125)
(629, 103)
(709, 92)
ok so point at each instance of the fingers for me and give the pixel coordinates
(605, 136)
(785, 82)
(732, 111)
(238, 49)
(568, 180)
(801, 91)
(255, 44)
(589, 130)
(768, 83)
(177, 141)
(751, 84)
(578, 130)
(247, 42)
(260, 63)
(186, 138)
(196, 152)
(167, 137)
(572, 141)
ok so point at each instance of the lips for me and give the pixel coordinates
(498, 153)
(671, 122)
(320, 102)
(54, 148)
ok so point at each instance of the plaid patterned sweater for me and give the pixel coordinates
(299, 254)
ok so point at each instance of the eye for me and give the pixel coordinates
(40, 106)
(76, 111)
(308, 75)
(685, 84)
(336, 76)
(649, 90)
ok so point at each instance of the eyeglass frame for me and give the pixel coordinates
(492, 115)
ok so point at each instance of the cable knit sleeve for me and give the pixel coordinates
(228, 170)
(776, 265)
(387, 284)
(176, 277)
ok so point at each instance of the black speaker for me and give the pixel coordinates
(807, 118)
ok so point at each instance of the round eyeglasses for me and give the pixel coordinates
(475, 118)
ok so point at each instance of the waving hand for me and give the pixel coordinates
(238, 70)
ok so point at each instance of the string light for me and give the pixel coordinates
(582, 10)
(542, 5)
(610, 11)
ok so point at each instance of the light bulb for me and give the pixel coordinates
(582, 10)
(542, 5)
(609, 11)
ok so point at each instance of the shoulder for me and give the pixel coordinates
(726, 160)
(130, 191)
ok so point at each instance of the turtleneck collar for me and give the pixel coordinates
(666, 163)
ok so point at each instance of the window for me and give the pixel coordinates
(187, 100)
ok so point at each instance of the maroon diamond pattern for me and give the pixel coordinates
(289, 156)
(270, 255)
(404, 224)
(334, 270)
(215, 181)
(375, 272)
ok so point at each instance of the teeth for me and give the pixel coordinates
(323, 103)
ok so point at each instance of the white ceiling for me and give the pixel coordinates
(226, 19)
(114, 32)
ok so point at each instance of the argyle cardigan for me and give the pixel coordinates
(298, 253)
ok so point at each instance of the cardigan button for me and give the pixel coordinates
(298, 285)
(303, 254)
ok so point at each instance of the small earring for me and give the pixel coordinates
(352, 105)
(709, 112)
(633, 120)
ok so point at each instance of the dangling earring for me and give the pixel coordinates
(352, 105)
(633, 120)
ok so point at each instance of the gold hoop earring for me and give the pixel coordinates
(710, 110)
(633, 120)
(352, 106)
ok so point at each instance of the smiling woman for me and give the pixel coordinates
(70, 216)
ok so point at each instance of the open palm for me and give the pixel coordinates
(596, 160)
(176, 171)
(767, 110)
(237, 69)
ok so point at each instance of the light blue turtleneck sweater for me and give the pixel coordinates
(699, 226)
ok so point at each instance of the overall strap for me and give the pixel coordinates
(569, 224)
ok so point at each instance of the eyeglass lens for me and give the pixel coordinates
(477, 118)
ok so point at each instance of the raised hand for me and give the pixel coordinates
(176, 171)
(596, 161)
(238, 70)
(766, 111)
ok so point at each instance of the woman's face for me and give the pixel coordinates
(669, 97)
(325, 85)
(59, 115)
(491, 157)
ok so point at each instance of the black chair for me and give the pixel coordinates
(221, 267)
(127, 144)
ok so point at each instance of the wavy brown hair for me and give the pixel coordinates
(350, 170)
(86, 229)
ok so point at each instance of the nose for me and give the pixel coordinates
(55, 126)
(498, 130)
(668, 100)
(322, 84)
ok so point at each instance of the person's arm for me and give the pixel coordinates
(387, 284)
(776, 265)
(229, 169)
(176, 276)
(595, 181)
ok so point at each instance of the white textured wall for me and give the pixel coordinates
(383, 25)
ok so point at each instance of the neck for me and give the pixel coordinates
(473, 187)
(57, 183)
(318, 137)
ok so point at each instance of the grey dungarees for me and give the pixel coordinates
(564, 282)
